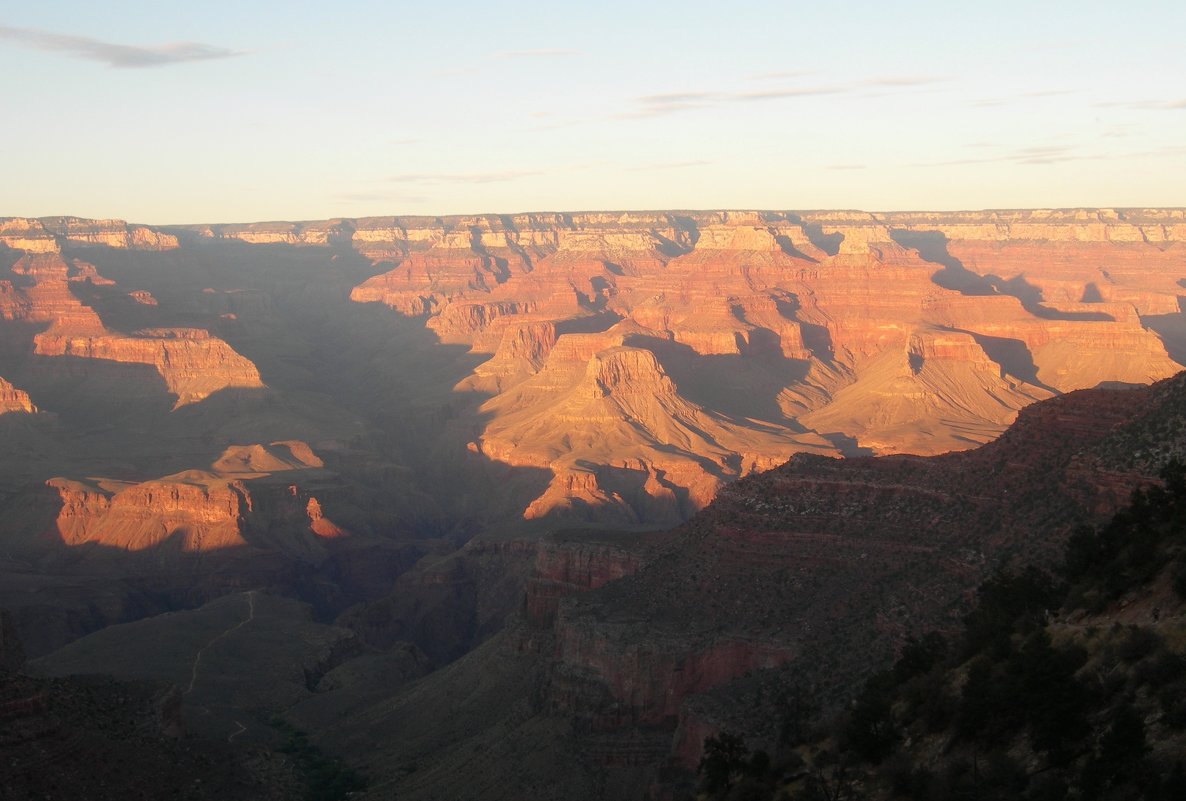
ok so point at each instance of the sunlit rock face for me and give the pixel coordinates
(192, 362)
(756, 335)
(626, 365)
(14, 400)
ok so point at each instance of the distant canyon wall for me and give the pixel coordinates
(645, 359)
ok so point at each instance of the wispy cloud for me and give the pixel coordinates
(901, 81)
(668, 165)
(1038, 94)
(462, 178)
(1148, 105)
(112, 54)
(672, 102)
(1033, 155)
(656, 105)
(778, 76)
(544, 52)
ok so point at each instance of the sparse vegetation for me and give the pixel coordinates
(326, 778)
(1045, 695)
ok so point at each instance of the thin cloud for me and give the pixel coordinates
(1038, 94)
(1033, 155)
(1048, 93)
(847, 167)
(462, 178)
(120, 56)
(668, 165)
(779, 94)
(1148, 105)
(778, 76)
(902, 80)
(544, 52)
(672, 102)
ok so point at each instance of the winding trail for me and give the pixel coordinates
(234, 734)
(193, 676)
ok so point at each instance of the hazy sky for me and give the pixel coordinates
(237, 111)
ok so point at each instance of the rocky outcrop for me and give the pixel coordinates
(781, 332)
(821, 555)
(618, 436)
(14, 400)
(328, 232)
(193, 363)
(569, 563)
(245, 501)
(903, 332)
(30, 236)
(808, 575)
(49, 234)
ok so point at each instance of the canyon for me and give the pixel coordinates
(629, 652)
(583, 467)
(303, 392)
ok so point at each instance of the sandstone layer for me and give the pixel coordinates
(193, 363)
(826, 332)
(14, 400)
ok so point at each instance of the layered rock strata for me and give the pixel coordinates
(192, 362)
(887, 332)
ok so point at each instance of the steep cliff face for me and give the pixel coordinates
(110, 233)
(567, 564)
(27, 235)
(192, 362)
(517, 371)
(916, 333)
(48, 234)
(14, 400)
(243, 502)
(631, 651)
(825, 332)
(838, 560)
(617, 435)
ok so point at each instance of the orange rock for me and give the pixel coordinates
(919, 332)
(14, 400)
(193, 363)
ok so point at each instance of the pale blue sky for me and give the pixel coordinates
(238, 111)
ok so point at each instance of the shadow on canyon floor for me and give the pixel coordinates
(932, 246)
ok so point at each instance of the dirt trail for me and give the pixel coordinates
(193, 676)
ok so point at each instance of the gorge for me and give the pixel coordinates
(572, 477)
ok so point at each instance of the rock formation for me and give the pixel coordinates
(459, 376)
(240, 501)
(629, 652)
(14, 400)
(913, 333)
(312, 407)
(193, 363)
